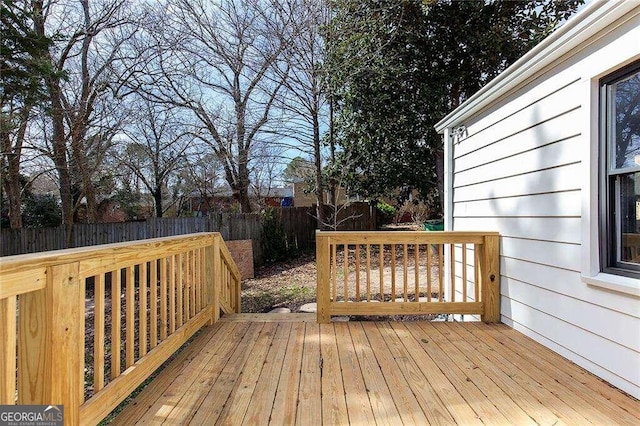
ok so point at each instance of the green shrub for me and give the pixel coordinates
(386, 212)
(273, 240)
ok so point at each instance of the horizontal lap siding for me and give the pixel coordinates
(519, 171)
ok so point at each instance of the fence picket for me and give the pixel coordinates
(299, 224)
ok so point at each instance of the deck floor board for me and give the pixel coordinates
(271, 370)
(561, 377)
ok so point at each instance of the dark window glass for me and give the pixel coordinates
(620, 240)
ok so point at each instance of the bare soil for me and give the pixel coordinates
(288, 284)
(292, 283)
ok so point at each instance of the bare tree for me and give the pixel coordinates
(304, 100)
(157, 148)
(203, 176)
(217, 60)
(266, 168)
(85, 108)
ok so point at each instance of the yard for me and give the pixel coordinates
(288, 284)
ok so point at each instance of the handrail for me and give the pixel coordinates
(156, 292)
(403, 272)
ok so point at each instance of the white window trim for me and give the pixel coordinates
(591, 272)
(615, 283)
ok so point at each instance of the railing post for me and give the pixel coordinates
(217, 279)
(51, 343)
(8, 352)
(238, 291)
(490, 276)
(322, 280)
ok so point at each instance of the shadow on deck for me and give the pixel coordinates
(283, 369)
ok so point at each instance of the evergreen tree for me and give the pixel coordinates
(23, 60)
(395, 68)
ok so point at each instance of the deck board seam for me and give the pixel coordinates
(389, 333)
(479, 349)
(250, 337)
(226, 349)
(565, 379)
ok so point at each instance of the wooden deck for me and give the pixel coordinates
(268, 369)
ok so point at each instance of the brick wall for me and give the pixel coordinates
(242, 253)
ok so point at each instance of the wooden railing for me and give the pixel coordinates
(400, 273)
(85, 327)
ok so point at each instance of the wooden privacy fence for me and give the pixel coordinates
(230, 226)
(298, 223)
(87, 326)
(399, 273)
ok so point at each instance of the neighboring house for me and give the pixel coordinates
(223, 200)
(548, 154)
(303, 197)
(279, 197)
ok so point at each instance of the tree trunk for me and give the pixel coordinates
(11, 186)
(11, 166)
(58, 140)
(318, 163)
(243, 184)
(243, 199)
(82, 165)
(332, 147)
(157, 199)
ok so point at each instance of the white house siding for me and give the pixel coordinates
(526, 169)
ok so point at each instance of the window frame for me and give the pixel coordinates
(608, 178)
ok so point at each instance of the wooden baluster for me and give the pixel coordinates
(405, 275)
(98, 333)
(172, 294)
(142, 321)
(357, 272)
(179, 289)
(476, 274)
(116, 285)
(464, 272)
(153, 305)
(416, 272)
(229, 292)
(163, 297)
(368, 248)
(345, 270)
(381, 266)
(429, 254)
(452, 281)
(188, 286)
(198, 279)
(393, 272)
(194, 282)
(334, 272)
(130, 316)
(238, 293)
(440, 272)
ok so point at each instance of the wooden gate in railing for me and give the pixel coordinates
(89, 349)
(400, 273)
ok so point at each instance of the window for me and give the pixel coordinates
(620, 172)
